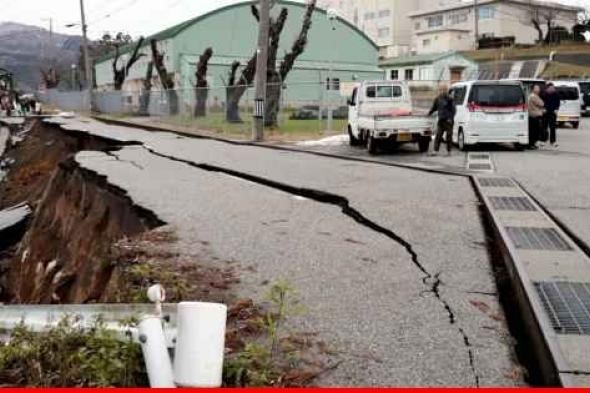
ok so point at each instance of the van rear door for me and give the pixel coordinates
(497, 111)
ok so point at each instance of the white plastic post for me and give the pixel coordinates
(200, 345)
(155, 353)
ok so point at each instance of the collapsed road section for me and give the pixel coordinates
(421, 310)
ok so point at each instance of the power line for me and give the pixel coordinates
(114, 12)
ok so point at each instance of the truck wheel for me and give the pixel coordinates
(424, 145)
(371, 145)
(461, 141)
(576, 125)
(352, 140)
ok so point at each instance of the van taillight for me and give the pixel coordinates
(473, 107)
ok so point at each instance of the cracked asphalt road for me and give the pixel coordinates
(392, 265)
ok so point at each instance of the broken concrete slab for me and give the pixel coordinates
(13, 224)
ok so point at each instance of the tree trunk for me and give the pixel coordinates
(166, 80)
(172, 102)
(233, 95)
(144, 100)
(202, 86)
(537, 27)
(273, 100)
(201, 95)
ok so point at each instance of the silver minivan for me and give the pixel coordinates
(569, 111)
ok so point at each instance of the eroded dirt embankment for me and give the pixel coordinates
(65, 254)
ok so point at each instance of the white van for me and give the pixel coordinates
(490, 112)
(570, 110)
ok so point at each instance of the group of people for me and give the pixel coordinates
(543, 108)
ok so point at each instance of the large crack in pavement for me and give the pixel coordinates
(432, 281)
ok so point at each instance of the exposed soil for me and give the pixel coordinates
(36, 158)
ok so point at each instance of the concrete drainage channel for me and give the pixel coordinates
(550, 274)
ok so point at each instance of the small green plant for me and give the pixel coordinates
(70, 356)
(265, 361)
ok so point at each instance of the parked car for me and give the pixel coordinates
(312, 112)
(585, 97)
(380, 113)
(570, 111)
(490, 112)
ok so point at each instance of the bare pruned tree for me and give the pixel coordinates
(202, 85)
(236, 87)
(542, 15)
(277, 74)
(166, 79)
(120, 73)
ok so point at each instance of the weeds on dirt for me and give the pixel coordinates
(68, 355)
(271, 356)
(146, 260)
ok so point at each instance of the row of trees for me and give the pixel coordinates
(239, 79)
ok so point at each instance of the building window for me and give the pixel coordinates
(333, 84)
(384, 13)
(394, 75)
(457, 18)
(369, 15)
(487, 12)
(426, 42)
(435, 21)
(383, 32)
(409, 75)
(417, 26)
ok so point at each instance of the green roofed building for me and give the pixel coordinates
(335, 49)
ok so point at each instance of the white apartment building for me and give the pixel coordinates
(451, 28)
(385, 21)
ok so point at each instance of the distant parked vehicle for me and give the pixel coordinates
(312, 112)
(380, 113)
(585, 97)
(490, 112)
(570, 111)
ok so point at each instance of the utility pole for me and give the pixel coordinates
(87, 63)
(476, 24)
(261, 65)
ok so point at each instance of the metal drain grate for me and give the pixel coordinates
(480, 167)
(568, 306)
(512, 203)
(495, 182)
(479, 156)
(538, 239)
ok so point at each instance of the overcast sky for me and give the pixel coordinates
(137, 17)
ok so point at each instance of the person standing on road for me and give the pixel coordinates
(552, 105)
(536, 112)
(445, 106)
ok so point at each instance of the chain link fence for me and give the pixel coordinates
(301, 109)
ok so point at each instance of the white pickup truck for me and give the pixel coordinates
(380, 112)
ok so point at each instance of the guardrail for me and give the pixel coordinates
(193, 332)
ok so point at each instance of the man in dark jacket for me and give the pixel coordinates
(552, 104)
(445, 106)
